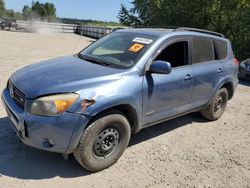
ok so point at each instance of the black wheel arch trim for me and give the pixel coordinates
(229, 84)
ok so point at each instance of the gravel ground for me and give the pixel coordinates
(185, 152)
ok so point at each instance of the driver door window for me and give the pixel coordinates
(176, 54)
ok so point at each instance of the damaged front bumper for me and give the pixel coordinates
(59, 134)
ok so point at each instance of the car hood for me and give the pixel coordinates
(60, 75)
(246, 62)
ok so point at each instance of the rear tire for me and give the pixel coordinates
(103, 142)
(217, 107)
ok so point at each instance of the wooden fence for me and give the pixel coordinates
(84, 30)
(34, 26)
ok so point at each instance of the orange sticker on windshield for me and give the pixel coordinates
(136, 47)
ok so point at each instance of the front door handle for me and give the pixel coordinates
(220, 70)
(188, 77)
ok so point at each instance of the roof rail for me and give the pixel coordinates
(200, 31)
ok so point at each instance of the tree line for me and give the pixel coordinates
(37, 11)
(231, 17)
(47, 12)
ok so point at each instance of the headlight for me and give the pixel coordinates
(53, 105)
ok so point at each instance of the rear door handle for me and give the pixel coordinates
(220, 70)
(188, 77)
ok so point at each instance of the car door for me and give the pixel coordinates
(207, 71)
(166, 95)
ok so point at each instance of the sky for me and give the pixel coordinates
(104, 10)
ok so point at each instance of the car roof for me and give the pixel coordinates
(159, 32)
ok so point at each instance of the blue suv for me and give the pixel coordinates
(90, 103)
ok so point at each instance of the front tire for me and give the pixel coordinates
(217, 107)
(103, 142)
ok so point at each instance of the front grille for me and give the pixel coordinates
(16, 94)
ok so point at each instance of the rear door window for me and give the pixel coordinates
(202, 50)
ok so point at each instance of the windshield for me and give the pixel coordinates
(118, 49)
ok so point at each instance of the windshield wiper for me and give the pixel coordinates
(92, 60)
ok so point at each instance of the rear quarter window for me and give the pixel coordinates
(203, 50)
(221, 49)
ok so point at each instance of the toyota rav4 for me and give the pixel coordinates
(90, 103)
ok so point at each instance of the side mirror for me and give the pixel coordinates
(160, 67)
